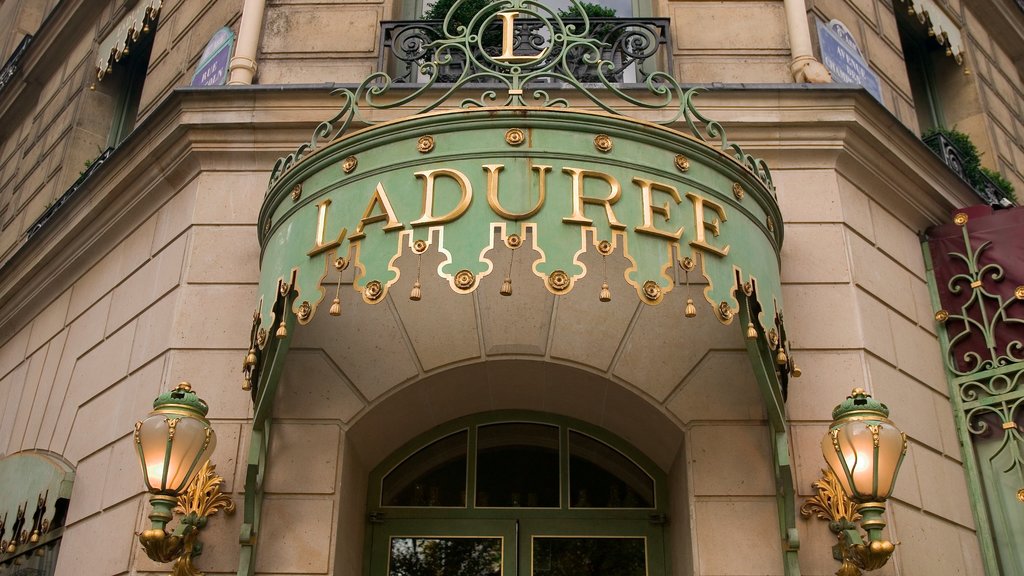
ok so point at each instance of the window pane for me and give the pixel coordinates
(589, 557)
(517, 465)
(412, 556)
(601, 477)
(434, 476)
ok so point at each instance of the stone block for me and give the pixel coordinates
(721, 387)
(716, 522)
(154, 333)
(315, 71)
(908, 487)
(729, 68)
(49, 322)
(728, 460)
(87, 492)
(11, 391)
(727, 26)
(419, 320)
(217, 377)
(898, 239)
(175, 216)
(815, 253)
(928, 545)
(805, 447)
(102, 366)
(508, 326)
(124, 472)
(303, 458)
(587, 331)
(655, 364)
(808, 195)
(876, 331)
(828, 377)
(29, 383)
(43, 392)
(147, 285)
(112, 532)
(911, 403)
(918, 353)
(882, 277)
(825, 318)
(923, 305)
(298, 541)
(373, 352)
(225, 254)
(313, 387)
(943, 488)
(314, 29)
(13, 351)
(230, 197)
(219, 316)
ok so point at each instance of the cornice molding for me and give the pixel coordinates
(247, 128)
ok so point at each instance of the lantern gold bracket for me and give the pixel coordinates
(831, 504)
(201, 499)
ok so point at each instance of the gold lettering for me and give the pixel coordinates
(701, 224)
(492, 192)
(319, 246)
(508, 39)
(649, 209)
(429, 177)
(579, 175)
(386, 214)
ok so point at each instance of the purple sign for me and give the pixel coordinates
(213, 66)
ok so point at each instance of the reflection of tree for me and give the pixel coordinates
(590, 557)
(445, 557)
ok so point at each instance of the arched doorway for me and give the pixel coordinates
(515, 492)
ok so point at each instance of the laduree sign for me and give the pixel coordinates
(552, 183)
(548, 181)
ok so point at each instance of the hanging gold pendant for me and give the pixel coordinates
(691, 310)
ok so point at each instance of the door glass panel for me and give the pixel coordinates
(444, 556)
(433, 476)
(517, 465)
(571, 556)
(602, 477)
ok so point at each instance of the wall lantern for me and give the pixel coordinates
(174, 443)
(864, 450)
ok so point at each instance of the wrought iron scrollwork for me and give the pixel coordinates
(521, 67)
(630, 44)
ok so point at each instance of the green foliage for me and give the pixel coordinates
(1001, 181)
(974, 172)
(438, 10)
(591, 9)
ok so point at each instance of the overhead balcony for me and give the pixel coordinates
(636, 47)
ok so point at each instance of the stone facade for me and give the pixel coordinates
(147, 276)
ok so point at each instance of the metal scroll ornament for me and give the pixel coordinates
(518, 75)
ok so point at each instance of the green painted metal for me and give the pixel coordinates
(987, 387)
(516, 525)
(467, 142)
(32, 482)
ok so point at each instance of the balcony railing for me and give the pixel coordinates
(983, 186)
(635, 47)
(11, 66)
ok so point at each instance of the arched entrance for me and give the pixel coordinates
(516, 492)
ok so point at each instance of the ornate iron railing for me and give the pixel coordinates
(635, 46)
(983, 186)
(11, 66)
(977, 285)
